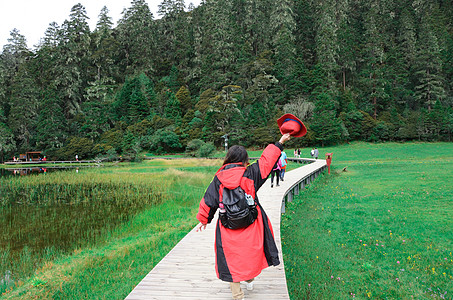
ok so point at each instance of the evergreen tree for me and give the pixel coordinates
(71, 76)
(51, 132)
(327, 41)
(7, 142)
(24, 107)
(172, 31)
(131, 104)
(105, 50)
(326, 126)
(373, 82)
(173, 108)
(136, 36)
(429, 86)
(183, 96)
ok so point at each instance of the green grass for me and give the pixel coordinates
(381, 230)
(123, 255)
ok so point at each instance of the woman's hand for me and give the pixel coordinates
(201, 227)
(286, 137)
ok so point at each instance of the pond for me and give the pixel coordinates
(35, 170)
(45, 216)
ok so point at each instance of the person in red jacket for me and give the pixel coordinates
(241, 254)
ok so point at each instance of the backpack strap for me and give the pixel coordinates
(221, 188)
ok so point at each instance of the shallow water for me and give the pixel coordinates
(43, 219)
(35, 170)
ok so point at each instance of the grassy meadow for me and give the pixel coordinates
(380, 230)
(124, 249)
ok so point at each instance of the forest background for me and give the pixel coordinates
(371, 70)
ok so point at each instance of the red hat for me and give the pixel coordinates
(289, 123)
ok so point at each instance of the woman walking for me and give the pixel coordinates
(276, 171)
(241, 253)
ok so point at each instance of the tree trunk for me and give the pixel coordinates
(344, 80)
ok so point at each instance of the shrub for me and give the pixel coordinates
(164, 141)
(194, 146)
(206, 150)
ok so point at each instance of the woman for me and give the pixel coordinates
(284, 163)
(276, 171)
(241, 254)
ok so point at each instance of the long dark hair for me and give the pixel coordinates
(236, 154)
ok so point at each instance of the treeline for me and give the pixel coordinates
(373, 70)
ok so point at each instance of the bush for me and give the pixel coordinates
(164, 141)
(206, 150)
(199, 148)
(82, 147)
(194, 146)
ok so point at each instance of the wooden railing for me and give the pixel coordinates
(302, 182)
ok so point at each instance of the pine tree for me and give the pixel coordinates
(172, 31)
(104, 50)
(131, 104)
(71, 69)
(429, 87)
(7, 142)
(282, 26)
(326, 126)
(173, 108)
(24, 107)
(183, 96)
(327, 41)
(136, 36)
(373, 82)
(51, 127)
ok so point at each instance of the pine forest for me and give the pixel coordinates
(368, 70)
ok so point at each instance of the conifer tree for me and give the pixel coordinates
(51, 127)
(429, 86)
(71, 69)
(136, 35)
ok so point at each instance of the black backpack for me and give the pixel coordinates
(239, 209)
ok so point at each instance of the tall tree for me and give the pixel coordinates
(24, 109)
(327, 41)
(71, 70)
(104, 53)
(282, 26)
(373, 71)
(136, 35)
(429, 87)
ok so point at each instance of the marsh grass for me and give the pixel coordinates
(123, 252)
(381, 230)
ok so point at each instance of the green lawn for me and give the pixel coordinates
(381, 230)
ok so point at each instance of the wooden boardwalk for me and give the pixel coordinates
(188, 272)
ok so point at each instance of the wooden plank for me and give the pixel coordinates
(187, 271)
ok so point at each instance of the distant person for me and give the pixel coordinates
(295, 153)
(312, 152)
(77, 157)
(316, 153)
(298, 152)
(276, 171)
(242, 252)
(284, 163)
(44, 158)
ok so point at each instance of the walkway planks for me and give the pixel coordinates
(187, 271)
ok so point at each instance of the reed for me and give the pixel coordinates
(164, 196)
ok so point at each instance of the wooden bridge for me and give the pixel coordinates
(188, 272)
